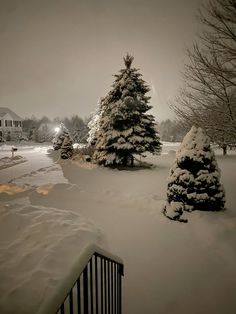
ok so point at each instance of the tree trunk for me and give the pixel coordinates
(125, 161)
(132, 160)
(224, 147)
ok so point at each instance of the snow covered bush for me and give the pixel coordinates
(125, 128)
(60, 136)
(85, 153)
(63, 141)
(194, 181)
(67, 148)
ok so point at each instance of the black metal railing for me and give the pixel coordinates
(98, 290)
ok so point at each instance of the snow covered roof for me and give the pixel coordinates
(4, 111)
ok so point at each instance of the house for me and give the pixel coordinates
(10, 125)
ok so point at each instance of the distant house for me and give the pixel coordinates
(10, 125)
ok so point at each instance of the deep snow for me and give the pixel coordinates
(170, 267)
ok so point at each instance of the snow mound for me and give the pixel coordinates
(38, 245)
(7, 162)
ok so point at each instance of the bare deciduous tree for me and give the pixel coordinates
(208, 98)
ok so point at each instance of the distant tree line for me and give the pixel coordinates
(43, 129)
(208, 97)
(81, 130)
(171, 131)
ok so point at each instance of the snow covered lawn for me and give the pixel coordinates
(37, 244)
(170, 267)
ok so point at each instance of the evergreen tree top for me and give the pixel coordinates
(128, 59)
(195, 147)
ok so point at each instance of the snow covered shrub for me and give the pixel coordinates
(67, 148)
(84, 153)
(63, 141)
(125, 129)
(60, 136)
(87, 150)
(194, 181)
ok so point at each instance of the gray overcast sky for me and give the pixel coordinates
(57, 57)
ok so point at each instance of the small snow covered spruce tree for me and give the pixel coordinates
(67, 148)
(125, 129)
(194, 181)
(60, 136)
(63, 141)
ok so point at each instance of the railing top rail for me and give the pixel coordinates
(109, 256)
(52, 302)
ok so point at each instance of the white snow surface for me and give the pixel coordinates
(170, 267)
(37, 247)
(7, 162)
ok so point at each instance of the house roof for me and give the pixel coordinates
(4, 111)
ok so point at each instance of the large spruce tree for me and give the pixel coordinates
(194, 181)
(125, 128)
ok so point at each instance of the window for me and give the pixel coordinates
(8, 123)
(17, 124)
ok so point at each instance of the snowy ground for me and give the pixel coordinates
(170, 267)
(7, 162)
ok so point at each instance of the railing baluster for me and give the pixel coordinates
(91, 284)
(120, 273)
(109, 287)
(71, 301)
(112, 286)
(102, 285)
(116, 289)
(96, 283)
(105, 280)
(78, 296)
(62, 308)
(85, 286)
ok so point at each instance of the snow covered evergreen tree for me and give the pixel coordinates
(78, 129)
(93, 124)
(125, 128)
(67, 148)
(60, 136)
(194, 181)
(63, 141)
